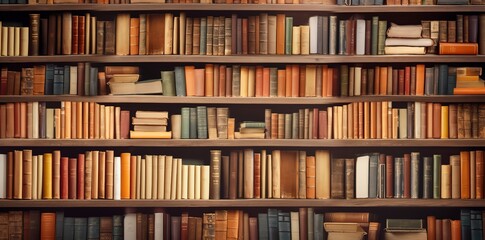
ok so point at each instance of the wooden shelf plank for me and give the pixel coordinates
(246, 203)
(159, 99)
(317, 143)
(254, 59)
(242, 7)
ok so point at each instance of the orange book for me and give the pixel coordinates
(134, 35)
(190, 80)
(436, 120)
(469, 91)
(259, 81)
(80, 176)
(287, 81)
(47, 176)
(382, 81)
(281, 83)
(431, 227)
(209, 80)
(455, 230)
(48, 226)
(479, 174)
(330, 82)
(324, 80)
(199, 74)
(280, 34)
(17, 175)
(221, 92)
(125, 175)
(132, 176)
(67, 122)
(420, 69)
(295, 80)
(458, 48)
(265, 82)
(465, 174)
(109, 174)
(310, 177)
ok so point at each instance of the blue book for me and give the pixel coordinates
(68, 232)
(118, 227)
(180, 81)
(465, 224)
(58, 87)
(443, 79)
(284, 225)
(272, 224)
(319, 233)
(80, 228)
(451, 80)
(49, 79)
(67, 80)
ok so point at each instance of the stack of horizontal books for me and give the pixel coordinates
(150, 124)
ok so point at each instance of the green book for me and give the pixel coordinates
(404, 224)
(93, 228)
(344, 80)
(59, 225)
(436, 176)
(68, 231)
(415, 184)
(180, 81)
(80, 228)
(192, 123)
(185, 112)
(398, 177)
(427, 177)
(288, 35)
(273, 82)
(465, 224)
(375, 34)
(203, 36)
(381, 36)
(118, 227)
(87, 79)
(66, 79)
(342, 43)
(476, 225)
(201, 122)
(168, 83)
(263, 225)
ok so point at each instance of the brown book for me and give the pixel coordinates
(27, 174)
(233, 165)
(109, 37)
(27, 81)
(288, 175)
(72, 193)
(479, 161)
(47, 225)
(458, 48)
(215, 174)
(357, 217)
(106, 228)
(349, 178)
(188, 35)
(221, 224)
(233, 221)
(257, 175)
(17, 175)
(436, 120)
(100, 37)
(337, 180)
(75, 34)
(39, 80)
(80, 176)
(134, 35)
(303, 221)
(465, 174)
(109, 174)
(66, 33)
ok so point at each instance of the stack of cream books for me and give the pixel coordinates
(406, 39)
(150, 124)
(127, 83)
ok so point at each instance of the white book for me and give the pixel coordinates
(35, 119)
(313, 23)
(360, 37)
(3, 176)
(129, 226)
(168, 176)
(40, 171)
(197, 181)
(357, 81)
(295, 228)
(149, 176)
(117, 179)
(403, 123)
(322, 167)
(73, 80)
(49, 119)
(417, 119)
(362, 177)
(191, 181)
(161, 177)
(185, 181)
(205, 183)
(158, 226)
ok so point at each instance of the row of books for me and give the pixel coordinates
(245, 174)
(51, 79)
(317, 80)
(324, 2)
(234, 35)
(72, 120)
(468, 226)
(408, 2)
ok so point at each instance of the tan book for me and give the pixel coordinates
(148, 176)
(168, 38)
(122, 34)
(143, 170)
(67, 121)
(102, 175)
(272, 34)
(296, 44)
(304, 40)
(40, 175)
(109, 174)
(56, 174)
(79, 120)
(66, 33)
(455, 176)
(94, 174)
(248, 173)
(88, 174)
(168, 176)
(18, 175)
(446, 181)
(27, 174)
(176, 122)
(35, 179)
(276, 174)
(178, 192)
(322, 168)
(289, 176)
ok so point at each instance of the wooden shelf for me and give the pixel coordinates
(316, 143)
(247, 203)
(242, 7)
(249, 59)
(159, 99)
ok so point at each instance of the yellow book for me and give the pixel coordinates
(47, 176)
(304, 40)
(150, 135)
(296, 45)
(244, 81)
(444, 122)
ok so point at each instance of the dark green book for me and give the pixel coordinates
(118, 227)
(68, 231)
(437, 176)
(475, 225)
(49, 79)
(59, 225)
(272, 224)
(341, 37)
(203, 36)
(381, 36)
(451, 80)
(332, 35)
(168, 83)
(193, 123)
(80, 228)
(273, 82)
(404, 224)
(201, 122)
(58, 87)
(180, 81)
(67, 80)
(288, 35)
(93, 228)
(263, 225)
(373, 163)
(284, 225)
(318, 231)
(344, 80)
(427, 177)
(443, 79)
(398, 177)
(93, 81)
(465, 224)
(185, 128)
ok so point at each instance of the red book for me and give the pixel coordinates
(389, 176)
(80, 176)
(75, 34)
(64, 177)
(3, 81)
(401, 77)
(322, 121)
(257, 175)
(184, 226)
(124, 124)
(72, 178)
(431, 227)
(81, 35)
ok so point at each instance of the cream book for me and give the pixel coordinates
(122, 34)
(117, 179)
(191, 182)
(185, 181)
(143, 175)
(416, 42)
(155, 176)
(179, 178)
(204, 182)
(197, 182)
(150, 135)
(161, 177)
(129, 226)
(404, 31)
(148, 176)
(151, 114)
(395, 50)
(276, 163)
(40, 171)
(322, 180)
(168, 176)
(361, 177)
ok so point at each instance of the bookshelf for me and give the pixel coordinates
(180, 146)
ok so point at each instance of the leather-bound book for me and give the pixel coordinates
(134, 35)
(337, 180)
(221, 224)
(27, 81)
(257, 175)
(100, 35)
(72, 193)
(17, 175)
(66, 33)
(82, 32)
(47, 176)
(249, 173)
(64, 178)
(75, 34)
(155, 25)
(109, 37)
(455, 230)
(465, 174)
(80, 176)
(232, 175)
(51, 36)
(349, 178)
(34, 34)
(303, 221)
(208, 227)
(215, 174)
(48, 226)
(27, 174)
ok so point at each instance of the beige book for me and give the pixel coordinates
(329, 122)
(455, 176)
(35, 120)
(161, 177)
(231, 124)
(310, 80)
(66, 33)
(197, 182)
(30, 124)
(338, 122)
(243, 82)
(40, 171)
(117, 178)
(149, 176)
(107, 123)
(212, 122)
(179, 179)
(97, 119)
(49, 119)
(79, 120)
(34, 177)
(417, 119)
(345, 132)
(295, 223)
(16, 44)
(93, 36)
(251, 81)
(272, 34)
(191, 182)
(91, 120)
(122, 34)
(204, 182)
(73, 80)
(296, 44)
(392, 50)
(248, 173)
(62, 120)
(384, 119)
(85, 116)
(109, 174)
(168, 46)
(143, 178)
(88, 174)
(263, 173)
(168, 177)
(185, 181)
(46, 176)
(4, 41)
(155, 177)
(181, 47)
(138, 177)
(24, 41)
(395, 123)
(304, 40)
(57, 123)
(102, 175)
(117, 123)
(95, 175)
(102, 122)
(11, 41)
(176, 122)
(445, 181)
(276, 161)
(175, 35)
(111, 122)
(322, 167)
(269, 167)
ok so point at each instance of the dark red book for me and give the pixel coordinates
(401, 76)
(75, 34)
(80, 78)
(72, 193)
(64, 177)
(389, 176)
(80, 176)
(184, 227)
(257, 175)
(81, 30)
